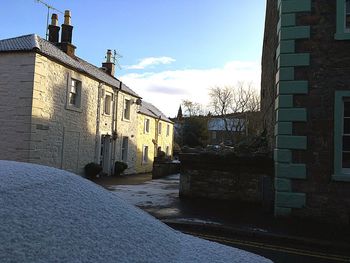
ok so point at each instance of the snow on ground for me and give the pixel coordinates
(155, 193)
(49, 215)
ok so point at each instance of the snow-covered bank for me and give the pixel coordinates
(49, 215)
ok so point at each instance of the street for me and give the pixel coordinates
(160, 198)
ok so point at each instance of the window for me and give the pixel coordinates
(159, 128)
(125, 145)
(167, 130)
(73, 94)
(167, 150)
(145, 154)
(126, 114)
(342, 136)
(146, 126)
(343, 20)
(108, 103)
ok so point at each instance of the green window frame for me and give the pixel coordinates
(340, 173)
(343, 20)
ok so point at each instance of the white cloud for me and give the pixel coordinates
(167, 89)
(151, 61)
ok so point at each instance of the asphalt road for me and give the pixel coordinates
(160, 199)
(277, 253)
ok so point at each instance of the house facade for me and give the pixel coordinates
(155, 133)
(59, 110)
(305, 103)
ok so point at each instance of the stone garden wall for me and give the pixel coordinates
(227, 177)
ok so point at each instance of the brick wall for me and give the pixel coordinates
(329, 70)
(268, 74)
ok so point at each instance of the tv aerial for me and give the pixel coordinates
(115, 58)
(48, 14)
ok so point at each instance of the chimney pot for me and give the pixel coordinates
(109, 65)
(54, 29)
(54, 20)
(109, 56)
(66, 35)
(67, 17)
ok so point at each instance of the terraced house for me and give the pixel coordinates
(155, 134)
(306, 106)
(58, 110)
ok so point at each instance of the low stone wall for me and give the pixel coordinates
(227, 177)
(163, 168)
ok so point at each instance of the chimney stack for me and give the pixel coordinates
(109, 65)
(54, 29)
(66, 35)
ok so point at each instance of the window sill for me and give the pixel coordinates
(341, 177)
(342, 36)
(73, 108)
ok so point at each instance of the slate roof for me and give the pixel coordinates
(35, 43)
(150, 110)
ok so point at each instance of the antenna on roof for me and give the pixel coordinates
(48, 14)
(116, 56)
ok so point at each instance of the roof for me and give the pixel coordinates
(150, 110)
(35, 43)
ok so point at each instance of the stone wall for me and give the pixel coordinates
(226, 177)
(16, 82)
(127, 128)
(163, 168)
(39, 126)
(61, 137)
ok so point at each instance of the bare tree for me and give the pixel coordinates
(192, 108)
(232, 104)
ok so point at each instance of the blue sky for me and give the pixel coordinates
(172, 49)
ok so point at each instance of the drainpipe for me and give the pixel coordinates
(157, 133)
(98, 137)
(114, 124)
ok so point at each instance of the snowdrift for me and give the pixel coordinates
(49, 215)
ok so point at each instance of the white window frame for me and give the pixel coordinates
(126, 109)
(159, 128)
(167, 130)
(75, 90)
(146, 125)
(108, 103)
(145, 154)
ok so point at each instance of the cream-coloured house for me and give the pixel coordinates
(155, 133)
(59, 110)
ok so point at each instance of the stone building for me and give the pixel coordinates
(155, 133)
(305, 102)
(59, 110)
